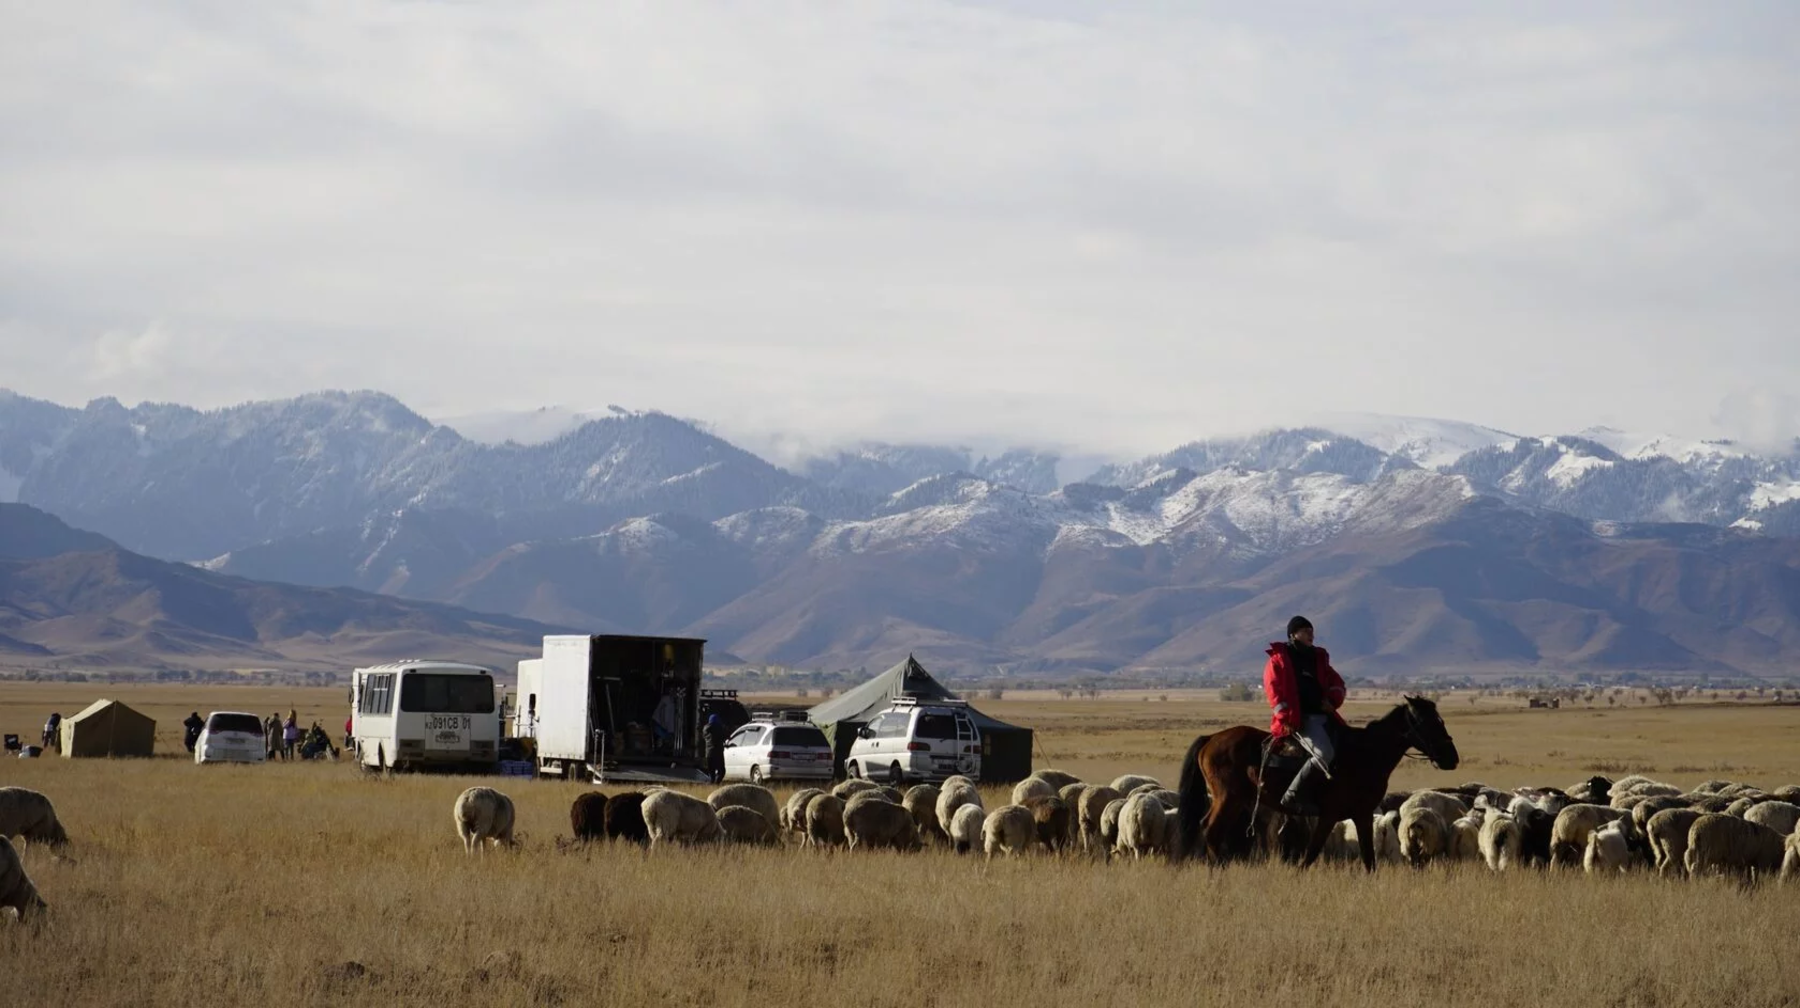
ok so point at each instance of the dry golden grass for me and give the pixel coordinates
(256, 884)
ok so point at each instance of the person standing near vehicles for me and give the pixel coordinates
(52, 733)
(290, 735)
(194, 727)
(714, 736)
(272, 734)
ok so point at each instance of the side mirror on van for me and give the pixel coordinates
(864, 732)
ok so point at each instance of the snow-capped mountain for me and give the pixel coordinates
(1423, 441)
(642, 521)
(189, 484)
(881, 469)
(524, 427)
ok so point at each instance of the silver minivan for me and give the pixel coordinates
(773, 750)
(231, 737)
(917, 740)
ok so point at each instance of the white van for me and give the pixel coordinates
(917, 740)
(231, 737)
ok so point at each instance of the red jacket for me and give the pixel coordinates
(1283, 691)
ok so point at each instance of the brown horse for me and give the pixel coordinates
(1221, 774)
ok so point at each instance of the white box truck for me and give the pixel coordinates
(612, 707)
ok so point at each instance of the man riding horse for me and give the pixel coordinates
(1305, 693)
(1229, 782)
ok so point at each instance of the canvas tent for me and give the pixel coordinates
(1005, 748)
(108, 728)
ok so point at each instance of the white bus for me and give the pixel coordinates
(418, 715)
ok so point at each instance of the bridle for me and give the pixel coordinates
(1414, 741)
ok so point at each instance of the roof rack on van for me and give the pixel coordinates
(791, 716)
(718, 694)
(914, 700)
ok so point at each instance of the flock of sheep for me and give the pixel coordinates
(1133, 815)
(1598, 825)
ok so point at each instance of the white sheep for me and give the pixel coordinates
(864, 797)
(1387, 837)
(920, 802)
(1608, 849)
(1449, 807)
(28, 815)
(825, 821)
(846, 788)
(874, 824)
(1109, 825)
(16, 891)
(744, 825)
(1128, 783)
(1170, 800)
(965, 828)
(1088, 812)
(750, 796)
(482, 813)
(673, 817)
(1790, 862)
(1057, 779)
(1569, 834)
(1071, 796)
(1143, 826)
(1422, 834)
(1500, 842)
(1740, 806)
(954, 794)
(1009, 829)
(1779, 816)
(1724, 843)
(1032, 787)
(793, 814)
(957, 780)
(1667, 833)
(1464, 839)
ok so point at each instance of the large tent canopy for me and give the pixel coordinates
(108, 728)
(1005, 748)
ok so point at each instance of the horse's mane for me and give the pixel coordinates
(1395, 718)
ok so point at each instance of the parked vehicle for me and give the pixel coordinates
(613, 707)
(914, 741)
(777, 750)
(231, 737)
(423, 715)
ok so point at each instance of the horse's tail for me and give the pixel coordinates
(1194, 800)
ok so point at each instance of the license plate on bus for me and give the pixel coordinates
(447, 731)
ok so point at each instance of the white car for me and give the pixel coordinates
(769, 750)
(914, 741)
(231, 737)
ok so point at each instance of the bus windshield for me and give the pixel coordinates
(441, 693)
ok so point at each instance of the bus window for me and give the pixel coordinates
(438, 693)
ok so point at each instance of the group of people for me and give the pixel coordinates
(287, 741)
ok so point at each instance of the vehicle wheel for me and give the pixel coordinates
(895, 777)
(755, 774)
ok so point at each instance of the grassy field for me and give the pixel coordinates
(211, 884)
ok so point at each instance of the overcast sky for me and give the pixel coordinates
(1108, 225)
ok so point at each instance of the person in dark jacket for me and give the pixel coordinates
(194, 726)
(714, 736)
(1305, 693)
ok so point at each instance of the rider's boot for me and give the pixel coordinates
(1299, 799)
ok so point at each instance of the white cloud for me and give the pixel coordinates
(1108, 226)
